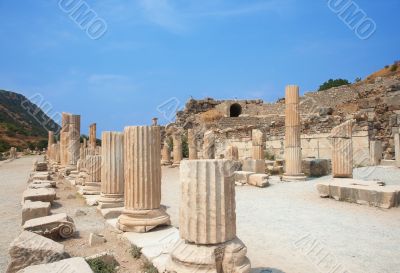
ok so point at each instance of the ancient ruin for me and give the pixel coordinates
(342, 150)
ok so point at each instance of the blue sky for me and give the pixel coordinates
(155, 50)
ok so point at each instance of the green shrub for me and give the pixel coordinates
(136, 251)
(269, 156)
(99, 266)
(149, 268)
(4, 146)
(333, 83)
(185, 147)
(394, 68)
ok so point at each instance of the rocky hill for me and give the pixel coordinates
(22, 123)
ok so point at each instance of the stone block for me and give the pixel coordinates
(31, 249)
(258, 180)
(40, 166)
(40, 186)
(31, 210)
(40, 176)
(51, 182)
(242, 177)
(71, 265)
(316, 167)
(44, 195)
(252, 165)
(96, 239)
(53, 226)
(370, 193)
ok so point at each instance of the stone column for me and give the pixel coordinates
(50, 143)
(57, 153)
(165, 154)
(375, 152)
(207, 222)
(342, 150)
(93, 182)
(192, 145)
(397, 148)
(177, 150)
(92, 135)
(292, 136)
(232, 153)
(112, 170)
(64, 138)
(74, 139)
(209, 145)
(13, 153)
(258, 141)
(142, 165)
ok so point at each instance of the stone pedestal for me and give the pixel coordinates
(258, 141)
(93, 183)
(177, 151)
(142, 166)
(209, 145)
(375, 152)
(192, 145)
(208, 220)
(397, 148)
(92, 135)
(112, 170)
(292, 136)
(232, 153)
(342, 150)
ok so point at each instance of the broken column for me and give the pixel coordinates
(232, 153)
(112, 170)
(397, 148)
(177, 150)
(92, 135)
(375, 152)
(258, 141)
(142, 164)
(74, 139)
(209, 145)
(292, 136)
(50, 142)
(192, 145)
(342, 150)
(208, 220)
(93, 183)
(165, 154)
(64, 138)
(13, 153)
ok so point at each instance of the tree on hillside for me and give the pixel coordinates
(333, 83)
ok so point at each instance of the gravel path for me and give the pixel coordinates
(288, 228)
(13, 178)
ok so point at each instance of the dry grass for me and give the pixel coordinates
(211, 116)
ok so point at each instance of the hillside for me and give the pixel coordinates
(22, 123)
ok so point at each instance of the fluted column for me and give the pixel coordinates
(258, 141)
(142, 168)
(177, 150)
(50, 143)
(165, 154)
(192, 145)
(56, 153)
(209, 145)
(64, 138)
(207, 221)
(112, 170)
(92, 135)
(74, 139)
(342, 150)
(232, 153)
(292, 136)
(93, 182)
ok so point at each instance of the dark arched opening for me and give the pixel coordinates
(235, 110)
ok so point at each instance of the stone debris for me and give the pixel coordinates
(370, 193)
(51, 182)
(39, 176)
(43, 194)
(96, 239)
(258, 180)
(72, 265)
(31, 210)
(40, 166)
(253, 165)
(242, 177)
(53, 226)
(31, 249)
(316, 167)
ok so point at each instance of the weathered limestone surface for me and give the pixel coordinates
(64, 138)
(31, 249)
(370, 193)
(142, 167)
(342, 150)
(209, 145)
(375, 152)
(259, 180)
(165, 154)
(232, 153)
(112, 170)
(74, 139)
(177, 150)
(31, 210)
(42, 194)
(57, 225)
(92, 136)
(242, 177)
(258, 143)
(72, 265)
(208, 220)
(252, 165)
(50, 142)
(93, 183)
(292, 136)
(13, 153)
(316, 167)
(192, 145)
(397, 148)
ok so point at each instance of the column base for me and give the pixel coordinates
(294, 178)
(142, 221)
(166, 163)
(108, 201)
(225, 257)
(91, 188)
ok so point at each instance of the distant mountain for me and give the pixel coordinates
(22, 123)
